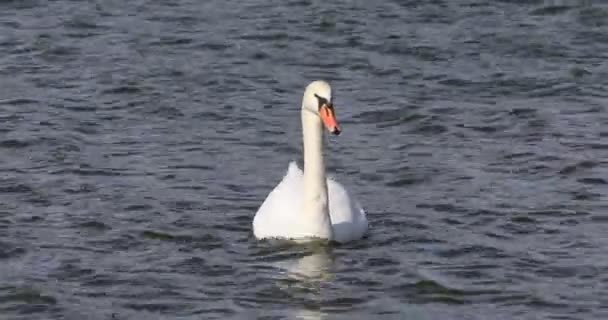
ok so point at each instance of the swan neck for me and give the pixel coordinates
(314, 165)
(315, 183)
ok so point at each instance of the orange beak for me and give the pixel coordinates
(329, 119)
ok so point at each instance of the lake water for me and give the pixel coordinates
(138, 138)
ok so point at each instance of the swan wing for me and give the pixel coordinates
(276, 216)
(348, 219)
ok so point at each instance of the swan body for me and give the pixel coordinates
(307, 204)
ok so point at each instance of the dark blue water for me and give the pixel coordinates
(138, 138)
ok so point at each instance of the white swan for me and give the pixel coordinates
(310, 205)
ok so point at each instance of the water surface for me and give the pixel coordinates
(138, 138)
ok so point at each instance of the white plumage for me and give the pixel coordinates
(307, 204)
(280, 213)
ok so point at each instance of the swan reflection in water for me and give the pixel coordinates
(306, 278)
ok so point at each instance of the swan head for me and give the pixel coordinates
(318, 100)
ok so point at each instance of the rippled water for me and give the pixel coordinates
(138, 138)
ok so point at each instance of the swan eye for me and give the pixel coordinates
(322, 101)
